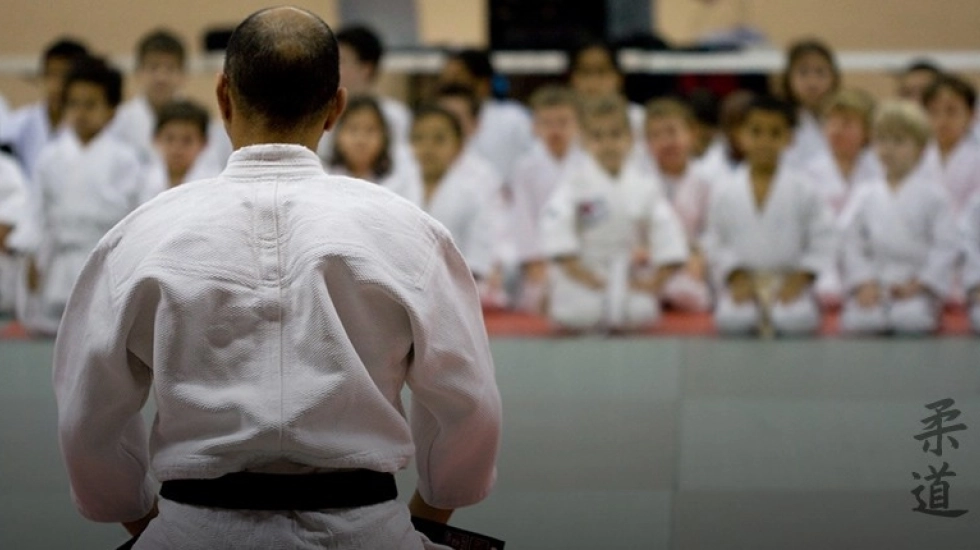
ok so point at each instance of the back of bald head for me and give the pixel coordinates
(282, 65)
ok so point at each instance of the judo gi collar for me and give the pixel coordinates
(282, 160)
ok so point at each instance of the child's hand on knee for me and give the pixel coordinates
(794, 286)
(740, 287)
(907, 290)
(868, 295)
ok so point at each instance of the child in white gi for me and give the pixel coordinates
(180, 138)
(30, 128)
(453, 192)
(970, 237)
(670, 138)
(614, 239)
(769, 233)
(556, 155)
(842, 168)
(362, 148)
(13, 199)
(955, 151)
(161, 70)
(86, 182)
(810, 79)
(361, 51)
(900, 245)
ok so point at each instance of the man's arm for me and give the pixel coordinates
(456, 411)
(100, 389)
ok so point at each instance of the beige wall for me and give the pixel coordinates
(114, 26)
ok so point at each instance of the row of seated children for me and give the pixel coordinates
(488, 213)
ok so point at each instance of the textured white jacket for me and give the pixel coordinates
(275, 312)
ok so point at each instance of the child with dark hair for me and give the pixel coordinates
(810, 79)
(86, 181)
(30, 128)
(594, 72)
(180, 137)
(503, 131)
(450, 192)
(361, 149)
(954, 154)
(361, 52)
(769, 233)
(161, 62)
(916, 78)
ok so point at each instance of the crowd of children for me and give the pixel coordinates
(768, 210)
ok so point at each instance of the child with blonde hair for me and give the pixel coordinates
(900, 245)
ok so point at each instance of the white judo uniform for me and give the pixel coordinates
(403, 180)
(532, 183)
(970, 239)
(793, 231)
(80, 192)
(838, 190)
(959, 172)
(135, 123)
(157, 180)
(399, 118)
(689, 194)
(891, 238)
(13, 203)
(602, 220)
(808, 141)
(276, 313)
(504, 134)
(464, 202)
(28, 130)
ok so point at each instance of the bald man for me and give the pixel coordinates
(276, 312)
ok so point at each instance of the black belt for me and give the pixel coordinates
(255, 491)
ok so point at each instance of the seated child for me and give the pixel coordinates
(180, 137)
(670, 139)
(613, 238)
(452, 190)
(769, 233)
(900, 244)
(955, 151)
(811, 78)
(161, 69)
(555, 157)
(841, 169)
(13, 197)
(85, 183)
(362, 148)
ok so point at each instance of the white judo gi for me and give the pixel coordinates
(13, 203)
(959, 172)
(808, 142)
(689, 194)
(532, 183)
(892, 237)
(970, 239)
(838, 190)
(794, 231)
(602, 220)
(28, 130)
(157, 180)
(276, 313)
(465, 203)
(80, 192)
(135, 123)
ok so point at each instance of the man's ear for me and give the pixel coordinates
(337, 107)
(224, 97)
